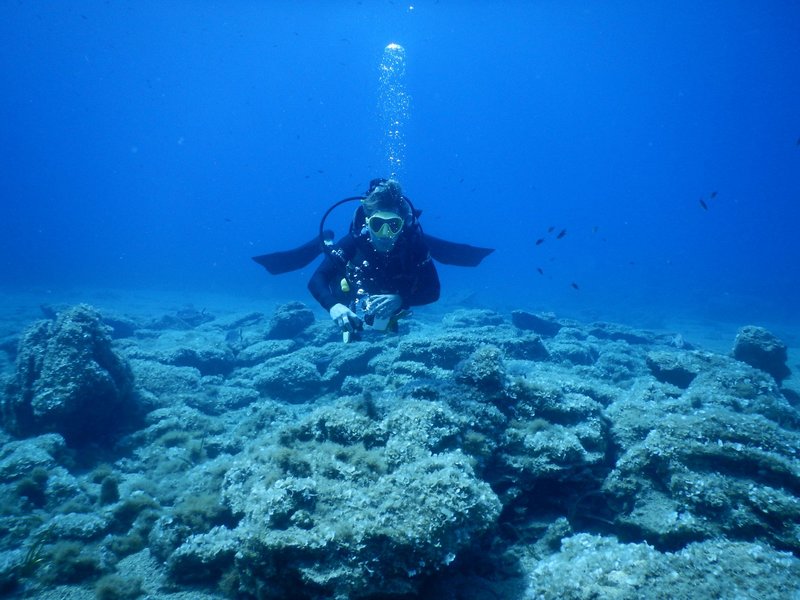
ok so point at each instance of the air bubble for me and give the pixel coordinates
(393, 107)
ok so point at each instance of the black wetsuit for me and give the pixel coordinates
(407, 270)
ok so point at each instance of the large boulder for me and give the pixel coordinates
(708, 470)
(558, 435)
(70, 381)
(289, 320)
(761, 349)
(346, 505)
(545, 325)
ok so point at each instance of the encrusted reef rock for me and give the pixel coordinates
(472, 318)
(545, 325)
(348, 506)
(532, 457)
(590, 566)
(69, 380)
(290, 320)
(466, 331)
(763, 350)
(558, 436)
(677, 368)
(722, 458)
(484, 369)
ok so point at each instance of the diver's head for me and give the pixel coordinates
(386, 212)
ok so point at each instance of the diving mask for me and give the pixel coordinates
(384, 224)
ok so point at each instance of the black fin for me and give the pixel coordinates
(291, 260)
(453, 253)
(448, 253)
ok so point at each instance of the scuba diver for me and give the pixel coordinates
(381, 268)
(378, 270)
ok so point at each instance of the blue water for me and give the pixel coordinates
(159, 145)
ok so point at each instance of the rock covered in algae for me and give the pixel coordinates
(590, 566)
(69, 380)
(721, 458)
(308, 468)
(341, 506)
(763, 350)
(290, 320)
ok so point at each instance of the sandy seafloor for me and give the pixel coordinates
(466, 457)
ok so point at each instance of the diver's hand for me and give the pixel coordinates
(344, 317)
(384, 306)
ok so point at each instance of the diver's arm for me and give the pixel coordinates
(320, 283)
(324, 283)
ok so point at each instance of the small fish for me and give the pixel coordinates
(798, 142)
(540, 241)
(227, 220)
(539, 269)
(561, 234)
(713, 195)
(703, 204)
(595, 228)
(551, 229)
(574, 286)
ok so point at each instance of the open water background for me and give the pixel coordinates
(158, 145)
